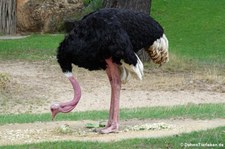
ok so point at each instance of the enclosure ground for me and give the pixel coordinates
(33, 86)
(49, 131)
(12, 37)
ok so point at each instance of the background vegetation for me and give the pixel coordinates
(194, 28)
(195, 33)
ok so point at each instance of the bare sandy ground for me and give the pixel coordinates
(34, 86)
(12, 37)
(42, 132)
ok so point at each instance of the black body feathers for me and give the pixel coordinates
(116, 33)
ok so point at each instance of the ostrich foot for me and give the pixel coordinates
(113, 128)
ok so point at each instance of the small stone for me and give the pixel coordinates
(65, 128)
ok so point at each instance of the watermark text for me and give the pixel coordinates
(202, 145)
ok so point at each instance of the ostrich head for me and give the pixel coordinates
(55, 109)
(67, 106)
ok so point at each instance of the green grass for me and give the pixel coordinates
(201, 111)
(34, 47)
(213, 136)
(195, 29)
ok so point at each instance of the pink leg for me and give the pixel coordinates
(114, 78)
(112, 96)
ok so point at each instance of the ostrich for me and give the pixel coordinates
(109, 39)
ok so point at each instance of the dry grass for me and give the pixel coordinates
(4, 82)
(184, 74)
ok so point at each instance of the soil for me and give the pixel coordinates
(12, 37)
(34, 86)
(49, 131)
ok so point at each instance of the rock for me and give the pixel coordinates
(65, 128)
(154, 126)
(45, 16)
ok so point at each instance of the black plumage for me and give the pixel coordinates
(109, 39)
(109, 32)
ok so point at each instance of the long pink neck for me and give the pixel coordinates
(69, 106)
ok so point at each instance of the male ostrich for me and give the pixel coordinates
(109, 39)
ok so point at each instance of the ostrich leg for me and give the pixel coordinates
(111, 102)
(115, 82)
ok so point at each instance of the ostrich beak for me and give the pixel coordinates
(54, 112)
(53, 117)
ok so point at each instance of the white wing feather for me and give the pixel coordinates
(137, 71)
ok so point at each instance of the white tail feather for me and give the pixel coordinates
(137, 70)
(159, 50)
(124, 74)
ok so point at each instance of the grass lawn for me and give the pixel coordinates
(195, 29)
(201, 111)
(34, 47)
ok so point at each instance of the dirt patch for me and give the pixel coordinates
(35, 85)
(12, 37)
(42, 132)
